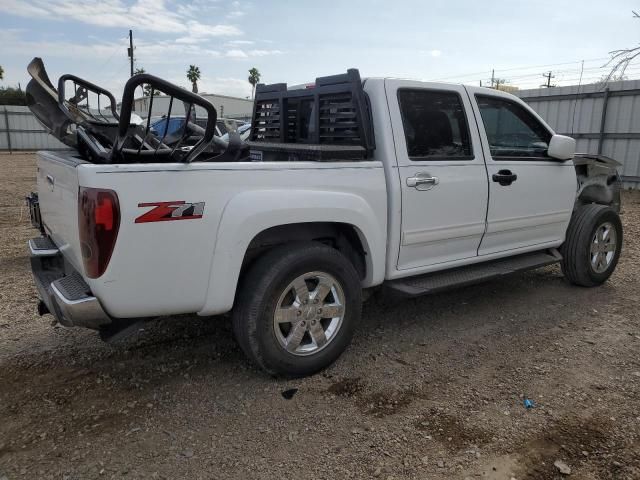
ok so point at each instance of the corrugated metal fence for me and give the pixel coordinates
(603, 119)
(19, 130)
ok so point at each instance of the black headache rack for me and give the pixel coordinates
(327, 121)
(102, 135)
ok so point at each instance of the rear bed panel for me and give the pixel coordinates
(163, 267)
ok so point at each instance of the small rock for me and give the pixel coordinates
(636, 374)
(562, 467)
(440, 463)
(187, 453)
(617, 464)
(377, 472)
(288, 394)
(425, 460)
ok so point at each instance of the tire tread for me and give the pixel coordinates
(254, 288)
(576, 268)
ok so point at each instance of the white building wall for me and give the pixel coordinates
(227, 107)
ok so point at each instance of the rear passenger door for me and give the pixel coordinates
(441, 171)
(531, 195)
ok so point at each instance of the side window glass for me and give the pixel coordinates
(435, 125)
(511, 130)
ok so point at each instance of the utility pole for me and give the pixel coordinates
(130, 51)
(548, 76)
(493, 77)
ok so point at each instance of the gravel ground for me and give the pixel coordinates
(431, 388)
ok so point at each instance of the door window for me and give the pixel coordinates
(435, 125)
(511, 130)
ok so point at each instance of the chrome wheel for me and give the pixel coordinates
(603, 247)
(309, 313)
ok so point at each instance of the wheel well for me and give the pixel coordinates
(599, 188)
(341, 236)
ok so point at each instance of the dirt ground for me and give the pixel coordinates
(431, 388)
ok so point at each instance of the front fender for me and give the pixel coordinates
(249, 213)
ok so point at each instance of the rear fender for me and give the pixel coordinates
(249, 213)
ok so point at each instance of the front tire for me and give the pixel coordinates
(297, 308)
(593, 245)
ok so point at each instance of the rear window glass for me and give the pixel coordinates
(435, 125)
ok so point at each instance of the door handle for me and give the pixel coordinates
(422, 181)
(504, 177)
(50, 180)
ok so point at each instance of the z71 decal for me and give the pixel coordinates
(166, 211)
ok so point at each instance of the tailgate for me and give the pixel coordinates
(57, 179)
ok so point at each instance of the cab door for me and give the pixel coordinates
(531, 195)
(441, 171)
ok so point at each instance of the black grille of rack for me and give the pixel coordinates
(334, 112)
(267, 120)
(339, 120)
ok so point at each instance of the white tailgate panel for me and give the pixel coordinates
(57, 181)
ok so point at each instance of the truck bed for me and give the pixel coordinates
(164, 267)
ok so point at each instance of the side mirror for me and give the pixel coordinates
(561, 147)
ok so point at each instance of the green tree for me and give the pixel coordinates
(193, 75)
(254, 78)
(1, 73)
(146, 88)
(12, 96)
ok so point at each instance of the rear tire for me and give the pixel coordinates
(297, 308)
(593, 245)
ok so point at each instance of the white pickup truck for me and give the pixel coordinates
(344, 185)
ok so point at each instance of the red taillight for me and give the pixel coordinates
(98, 221)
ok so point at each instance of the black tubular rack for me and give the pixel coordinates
(329, 120)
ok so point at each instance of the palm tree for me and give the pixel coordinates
(254, 78)
(145, 90)
(193, 75)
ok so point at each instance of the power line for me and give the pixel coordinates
(113, 53)
(511, 69)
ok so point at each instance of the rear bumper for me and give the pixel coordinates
(66, 295)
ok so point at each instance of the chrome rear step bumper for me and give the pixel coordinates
(42, 247)
(66, 295)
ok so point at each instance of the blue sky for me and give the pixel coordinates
(295, 41)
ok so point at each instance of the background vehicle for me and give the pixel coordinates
(243, 130)
(170, 126)
(416, 187)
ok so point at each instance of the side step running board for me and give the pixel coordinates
(468, 275)
(43, 247)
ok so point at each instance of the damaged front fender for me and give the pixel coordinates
(598, 180)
